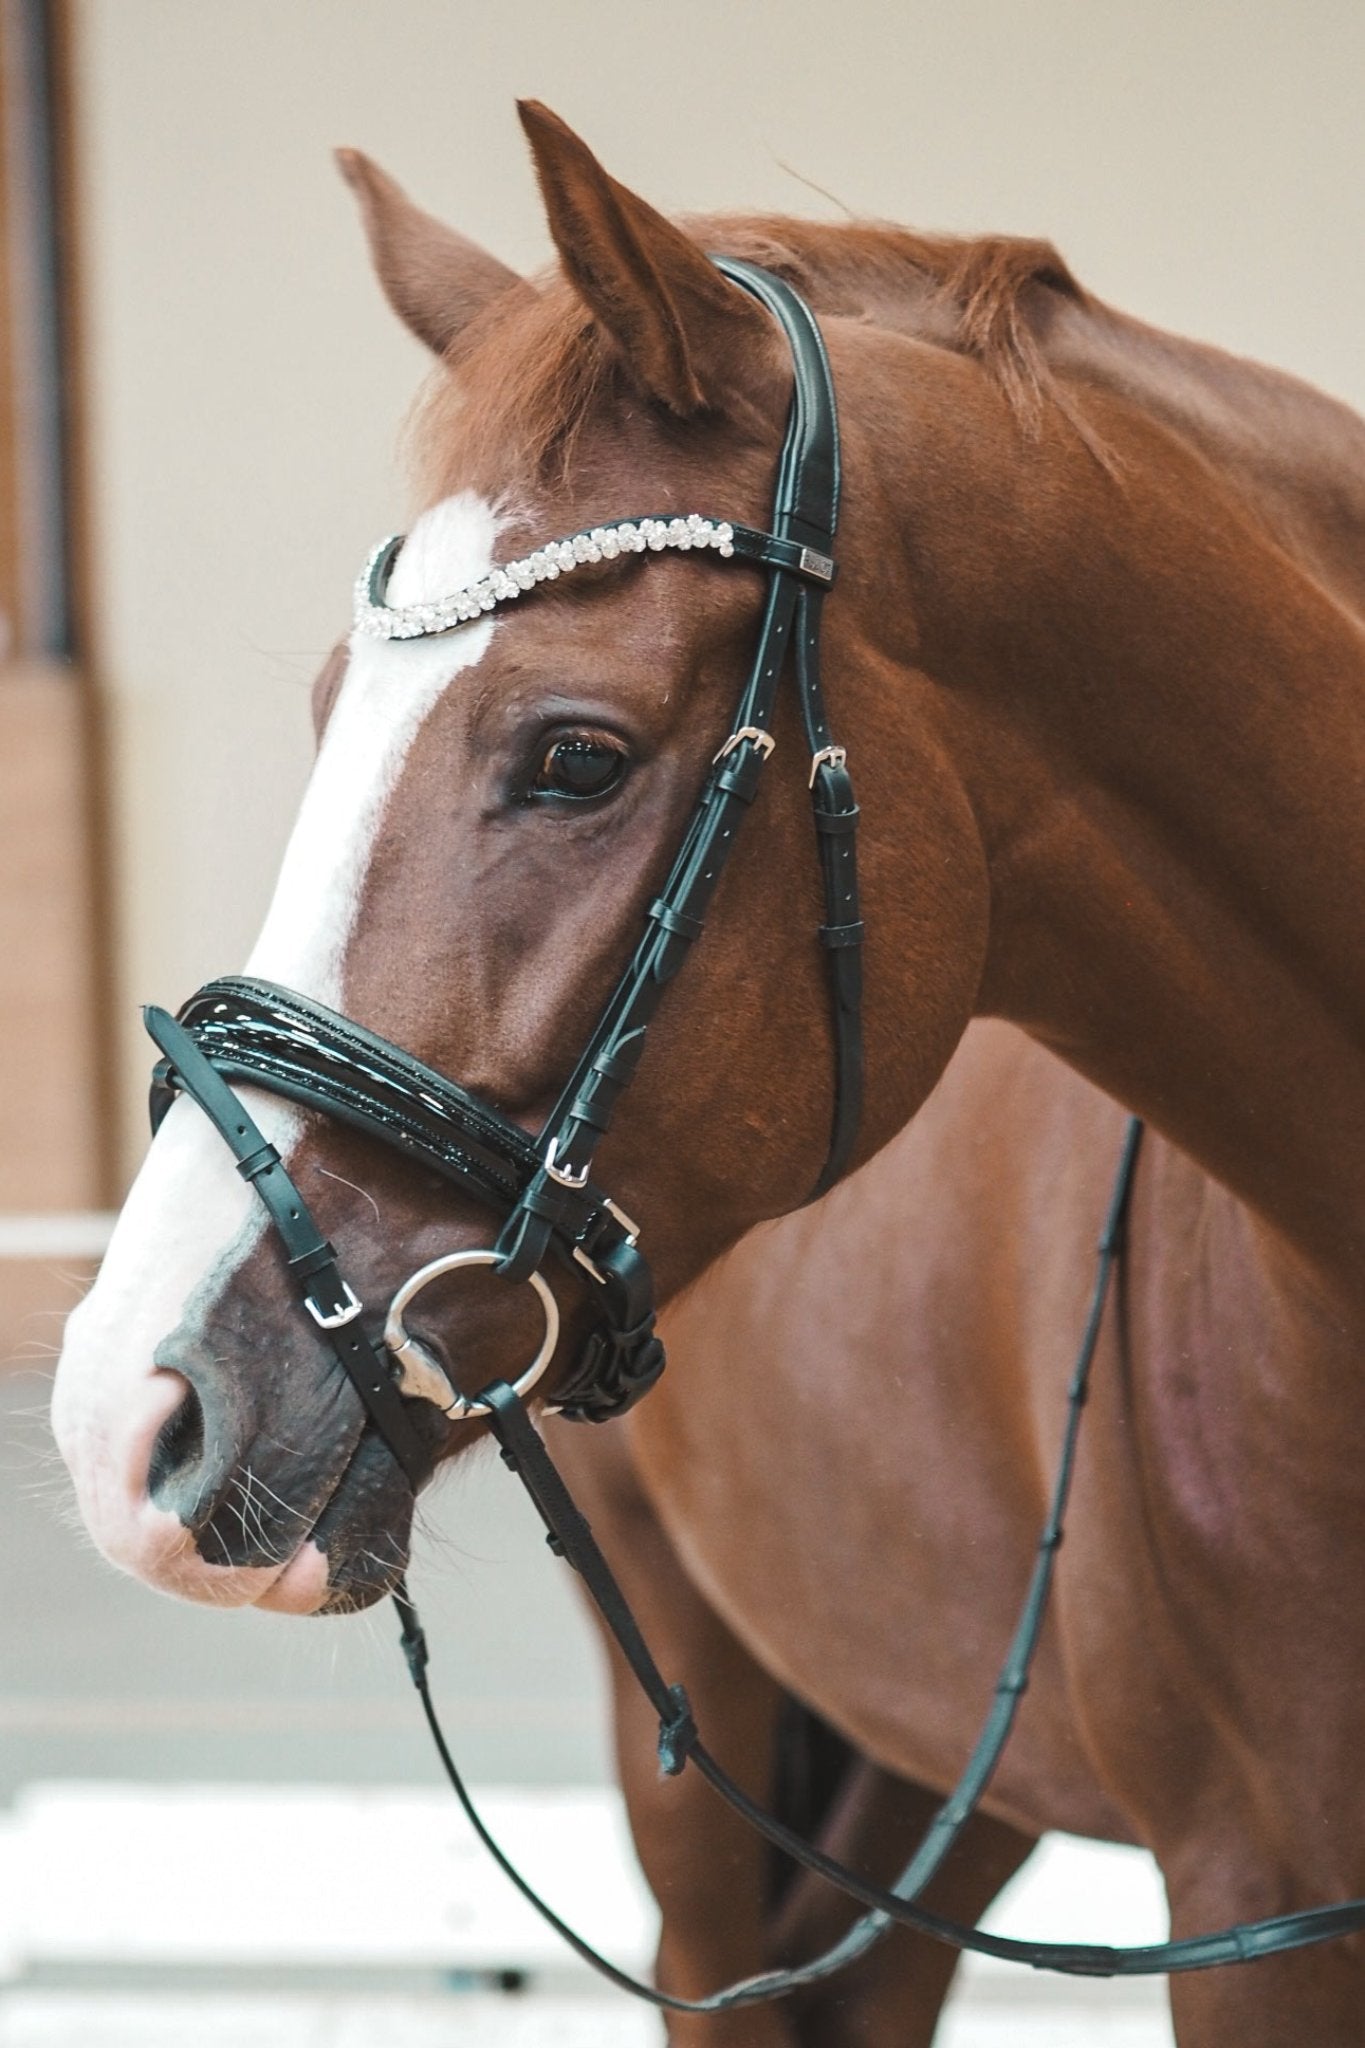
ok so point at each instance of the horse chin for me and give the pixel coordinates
(314, 1583)
(361, 1536)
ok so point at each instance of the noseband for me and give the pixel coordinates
(244, 1030)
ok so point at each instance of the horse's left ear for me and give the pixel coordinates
(436, 281)
(690, 339)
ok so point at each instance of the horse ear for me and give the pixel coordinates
(435, 280)
(689, 338)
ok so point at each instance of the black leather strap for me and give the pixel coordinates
(311, 1258)
(808, 507)
(805, 514)
(256, 1031)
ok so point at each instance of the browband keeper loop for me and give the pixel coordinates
(794, 557)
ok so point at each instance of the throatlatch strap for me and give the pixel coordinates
(312, 1260)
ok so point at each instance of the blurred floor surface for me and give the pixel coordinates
(225, 1828)
(475, 2021)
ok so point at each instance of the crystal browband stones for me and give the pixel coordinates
(381, 621)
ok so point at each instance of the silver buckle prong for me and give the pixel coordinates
(764, 741)
(340, 1317)
(565, 1175)
(836, 756)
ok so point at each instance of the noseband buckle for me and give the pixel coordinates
(338, 1318)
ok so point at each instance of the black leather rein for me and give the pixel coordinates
(243, 1030)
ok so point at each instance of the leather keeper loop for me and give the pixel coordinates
(521, 1245)
(314, 1261)
(835, 824)
(258, 1162)
(836, 935)
(618, 1066)
(680, 923)
(738, 773)
(592, 1110)
(677, 1733)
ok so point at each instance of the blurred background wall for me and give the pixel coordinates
(1197, 161)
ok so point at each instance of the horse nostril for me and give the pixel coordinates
(179, 1447)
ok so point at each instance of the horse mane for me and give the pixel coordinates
(539, 364)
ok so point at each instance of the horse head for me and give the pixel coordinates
(491, 810)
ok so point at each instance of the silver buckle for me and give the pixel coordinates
(566, 1177)
(836, 756)
(764, 741)
(631, 1229)
(341, 1316)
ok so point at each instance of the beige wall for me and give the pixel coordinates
(1198, 161)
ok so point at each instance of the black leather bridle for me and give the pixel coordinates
(244, 1030)
(253, 1031)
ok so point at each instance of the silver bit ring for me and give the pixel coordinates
(422, 1376)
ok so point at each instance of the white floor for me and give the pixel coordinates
(115, 1898)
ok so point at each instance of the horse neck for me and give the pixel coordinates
(1296, 455)
(1157, 708)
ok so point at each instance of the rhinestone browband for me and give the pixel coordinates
(381, 621)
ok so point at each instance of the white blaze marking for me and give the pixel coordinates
(190, 1219)
(390, 687)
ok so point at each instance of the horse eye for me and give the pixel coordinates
(579, 767)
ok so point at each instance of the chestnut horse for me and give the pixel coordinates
(1096, 648)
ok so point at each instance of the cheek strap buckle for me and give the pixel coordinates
(337, 1318)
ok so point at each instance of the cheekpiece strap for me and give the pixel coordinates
(312, 1260)
(800, 559)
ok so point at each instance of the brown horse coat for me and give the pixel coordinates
(1097, 652)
